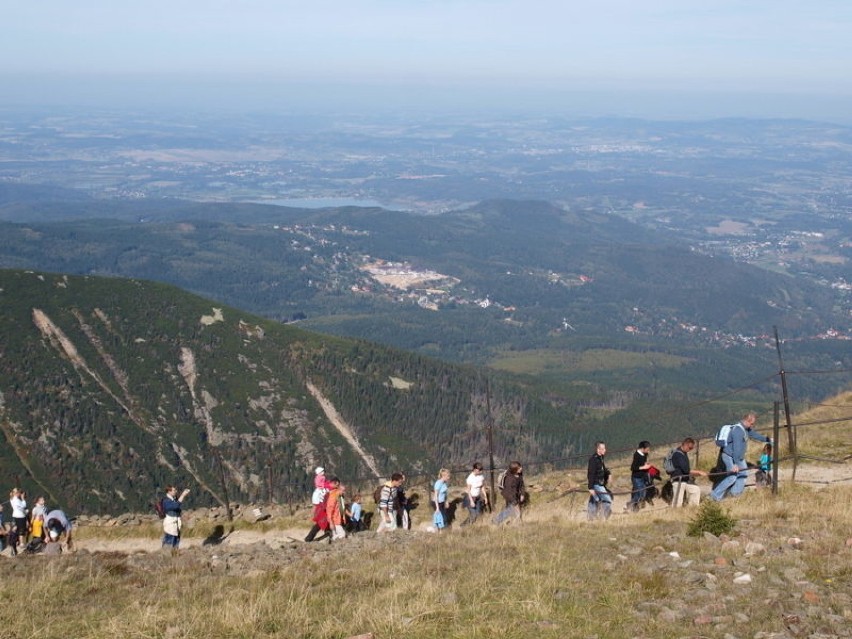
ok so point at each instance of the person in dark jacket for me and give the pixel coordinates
(514, 492)
(600, 499)
(639, 475)
(172, 523)
(683, 484)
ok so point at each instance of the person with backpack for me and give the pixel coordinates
(385, 503)
(600, 499)
(734, 442)
(639, 476)
(682, 476)
(172, 505)
(514, 492)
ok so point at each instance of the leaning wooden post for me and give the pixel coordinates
(776, 431)
(791, 436)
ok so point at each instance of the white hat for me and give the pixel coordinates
(320, 470)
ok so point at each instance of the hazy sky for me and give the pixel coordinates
(753, 49)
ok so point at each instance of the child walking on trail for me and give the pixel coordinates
(355, 513)
(763, 477)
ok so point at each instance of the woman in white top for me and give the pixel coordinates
(476, 495)
(18, 502)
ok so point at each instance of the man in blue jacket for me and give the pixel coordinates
(733, 456)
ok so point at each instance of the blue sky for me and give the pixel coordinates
(617, 48)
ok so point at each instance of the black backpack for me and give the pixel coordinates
(159, 509)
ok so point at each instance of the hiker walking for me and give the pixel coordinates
(600, 499)
(172, 522)
(387, 495)
(336, 509)
(639, 476)
(683, 477)
(476, 497)
(355, 513)
(439, 498)
(513, 491)
(318, 501)
(402, 506)
(734, 445)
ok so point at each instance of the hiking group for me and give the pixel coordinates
(334, 517)
(727, 478)
(36, 530)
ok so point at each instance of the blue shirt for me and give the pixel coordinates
(441, 489)
(171, 506)
(737, 439)
(355, 509)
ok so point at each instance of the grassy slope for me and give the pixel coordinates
(553, 576)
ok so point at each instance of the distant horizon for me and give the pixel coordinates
(246, 95)
(651, 59)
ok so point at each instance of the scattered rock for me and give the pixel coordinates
(730, 546)
(742, 579)
(811, 597)
(708, 536)
(720, 561)
(753, 548)
(702, 620)
(795, 542)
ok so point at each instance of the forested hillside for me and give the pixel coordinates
(112, 388)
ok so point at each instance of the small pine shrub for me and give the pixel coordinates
(710, 518)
